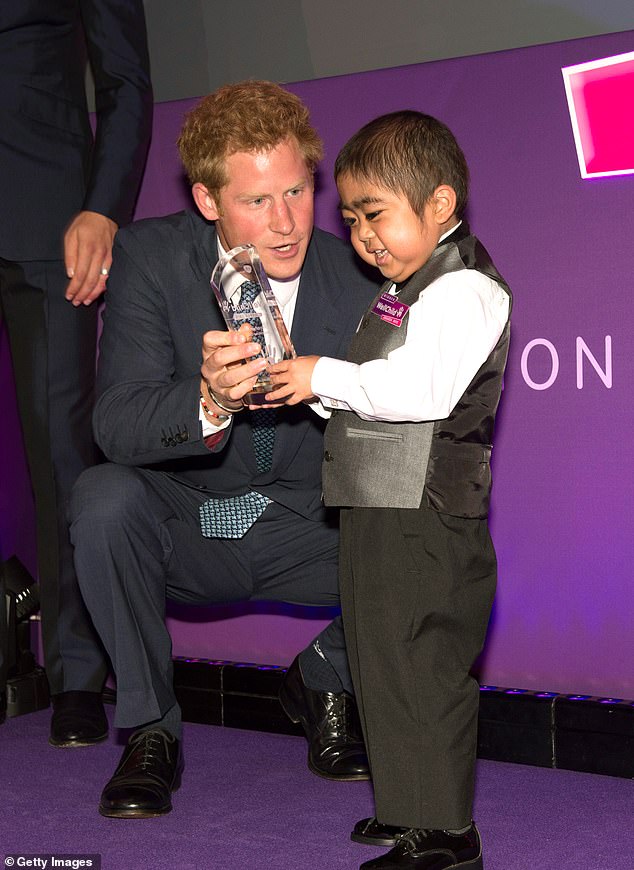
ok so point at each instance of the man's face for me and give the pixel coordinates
(267, 202)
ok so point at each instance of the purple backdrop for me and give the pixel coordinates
(562, 505)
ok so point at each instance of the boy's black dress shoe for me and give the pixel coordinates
(432, 850)
(331, 724)
(374, 833)
(79, 719)
(149, 771)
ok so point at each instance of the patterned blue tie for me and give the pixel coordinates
(233, 517)
(262, 420)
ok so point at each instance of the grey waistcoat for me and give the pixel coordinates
(382, 464)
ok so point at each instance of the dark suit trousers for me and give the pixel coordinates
(138, 542)
(416, 593)
(53, 354)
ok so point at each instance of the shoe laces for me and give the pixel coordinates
(413, 840)
(338, 715)
(414, 835)
(149, 743)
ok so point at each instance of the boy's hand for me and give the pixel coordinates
(292, 380)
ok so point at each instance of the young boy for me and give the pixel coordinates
(406, 456)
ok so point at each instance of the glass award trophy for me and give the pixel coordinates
(244, 295)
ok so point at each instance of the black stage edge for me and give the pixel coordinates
(545, 729)
(27, 693)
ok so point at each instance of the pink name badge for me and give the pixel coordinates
(388, 308)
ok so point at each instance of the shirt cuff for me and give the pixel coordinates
(209, 428)
(330, 379)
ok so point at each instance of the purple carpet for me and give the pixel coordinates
(248, 801)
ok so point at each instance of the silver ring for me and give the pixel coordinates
(104, 272)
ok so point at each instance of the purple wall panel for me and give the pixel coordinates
(562, 503)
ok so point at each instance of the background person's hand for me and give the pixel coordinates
(88, 256)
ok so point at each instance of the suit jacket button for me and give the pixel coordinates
(163, 442)
(328, 457)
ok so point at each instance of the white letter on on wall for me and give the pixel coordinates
(583, 349)
(550, 347)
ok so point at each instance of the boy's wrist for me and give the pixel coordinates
(315, 363)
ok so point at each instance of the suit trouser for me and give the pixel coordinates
(138, 541)
(416, 594)
(53, 355)
(4, 646)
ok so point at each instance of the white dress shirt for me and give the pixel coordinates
(453, 327)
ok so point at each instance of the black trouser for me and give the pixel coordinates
(416, 594)
(53, 355)
(4, 647)
(138, 541)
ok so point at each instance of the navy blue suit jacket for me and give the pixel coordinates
(49, 167)
(159, 304)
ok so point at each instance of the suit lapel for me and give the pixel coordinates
(199, 299)
(320, 309)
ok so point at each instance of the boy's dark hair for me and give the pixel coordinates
(407, 152)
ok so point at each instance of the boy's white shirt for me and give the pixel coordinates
(453, 327)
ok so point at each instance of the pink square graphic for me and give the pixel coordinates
(600, 97)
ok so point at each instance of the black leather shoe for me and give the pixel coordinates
(78, 719)
(331, 724)
(432, 850)
(149, 771)
(373, 833)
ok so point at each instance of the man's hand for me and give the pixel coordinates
(88, 255)
(292, 380)
(225, 367)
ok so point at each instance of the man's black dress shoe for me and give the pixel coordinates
(432, 850)
(331, 724)
(149, 771)
(78, 719)
(374, 833)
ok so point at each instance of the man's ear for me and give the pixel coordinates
(205, 202)
(444, 203)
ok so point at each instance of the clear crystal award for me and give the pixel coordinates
(244, 295)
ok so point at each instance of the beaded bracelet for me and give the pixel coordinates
(221, 418)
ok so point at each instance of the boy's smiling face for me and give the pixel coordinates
(385, 230)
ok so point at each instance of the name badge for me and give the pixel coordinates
(388, 308)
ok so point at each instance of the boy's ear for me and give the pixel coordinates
(444, 203)
(205, 202)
